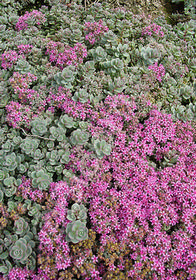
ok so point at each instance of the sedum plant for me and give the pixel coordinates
(39, 127)
(29, 145)
(79, 137)
(149, 55)
(21, 250)
(76, 231)
(77, 212)
(65, 78)
(81, 96)
(97, 111)
(21, 226)
(101, 148)
(40, 179)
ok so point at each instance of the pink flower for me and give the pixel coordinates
(94, 30)
(37, 17)
(158, 70)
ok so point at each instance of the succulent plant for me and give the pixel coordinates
(79, 137)
(35, 213)
(88, 68)
(10, 191)
(7, 146)
(178, 112)
(50, 145)
(4, 98)
(83, 125)
(66, 77)
(39, 127)
(55, 148)
(68, 174)
(64, 155)
(76, 36)
(101, 148)
(77, 212)
(59, 170)
(21, 226)
(5, 268)
(16, 141)
(112, 67)
(170, 159)
(109, 39)
(66, 121)
(37, 155)
(99, 54)
(187, 92)
(11, 186)
(116, 86)
(30, 262)
(53, 157)
(76, 231)
(81, 95)
(3, 134)
(22, 168)
(21, 250)
(149, 55)
(12, 205)
(41, 179)
(29, 145)
(9, 238)
(191, 112)
(3, 174)
(58, 133)
(4, 255)
(9, 181)
(10, 162)
(22, 67)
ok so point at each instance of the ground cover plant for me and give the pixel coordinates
(98, 144)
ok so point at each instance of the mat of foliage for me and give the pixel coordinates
(98, 144)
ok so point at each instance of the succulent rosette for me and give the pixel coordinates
(41, 179)
(39, 127)
(102, 148)
(77, 212)
(79, 137)
(21, 250)
(76, 231)
(21, 226)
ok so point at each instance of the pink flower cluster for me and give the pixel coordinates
(64, 55)
(28, 192)
(8, 58)
(18, 273)
(158, 70)
(153, 210)
(58, 98)
(130, 201)
(94, 30)
(21, 83)
(37, 17)
(24, 49)
(51, 239)
(153, 29)
(19, 114)
(31, 102)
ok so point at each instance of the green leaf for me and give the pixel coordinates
(4, 255)
(3, 269)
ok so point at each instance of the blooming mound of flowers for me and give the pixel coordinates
(98, 144)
